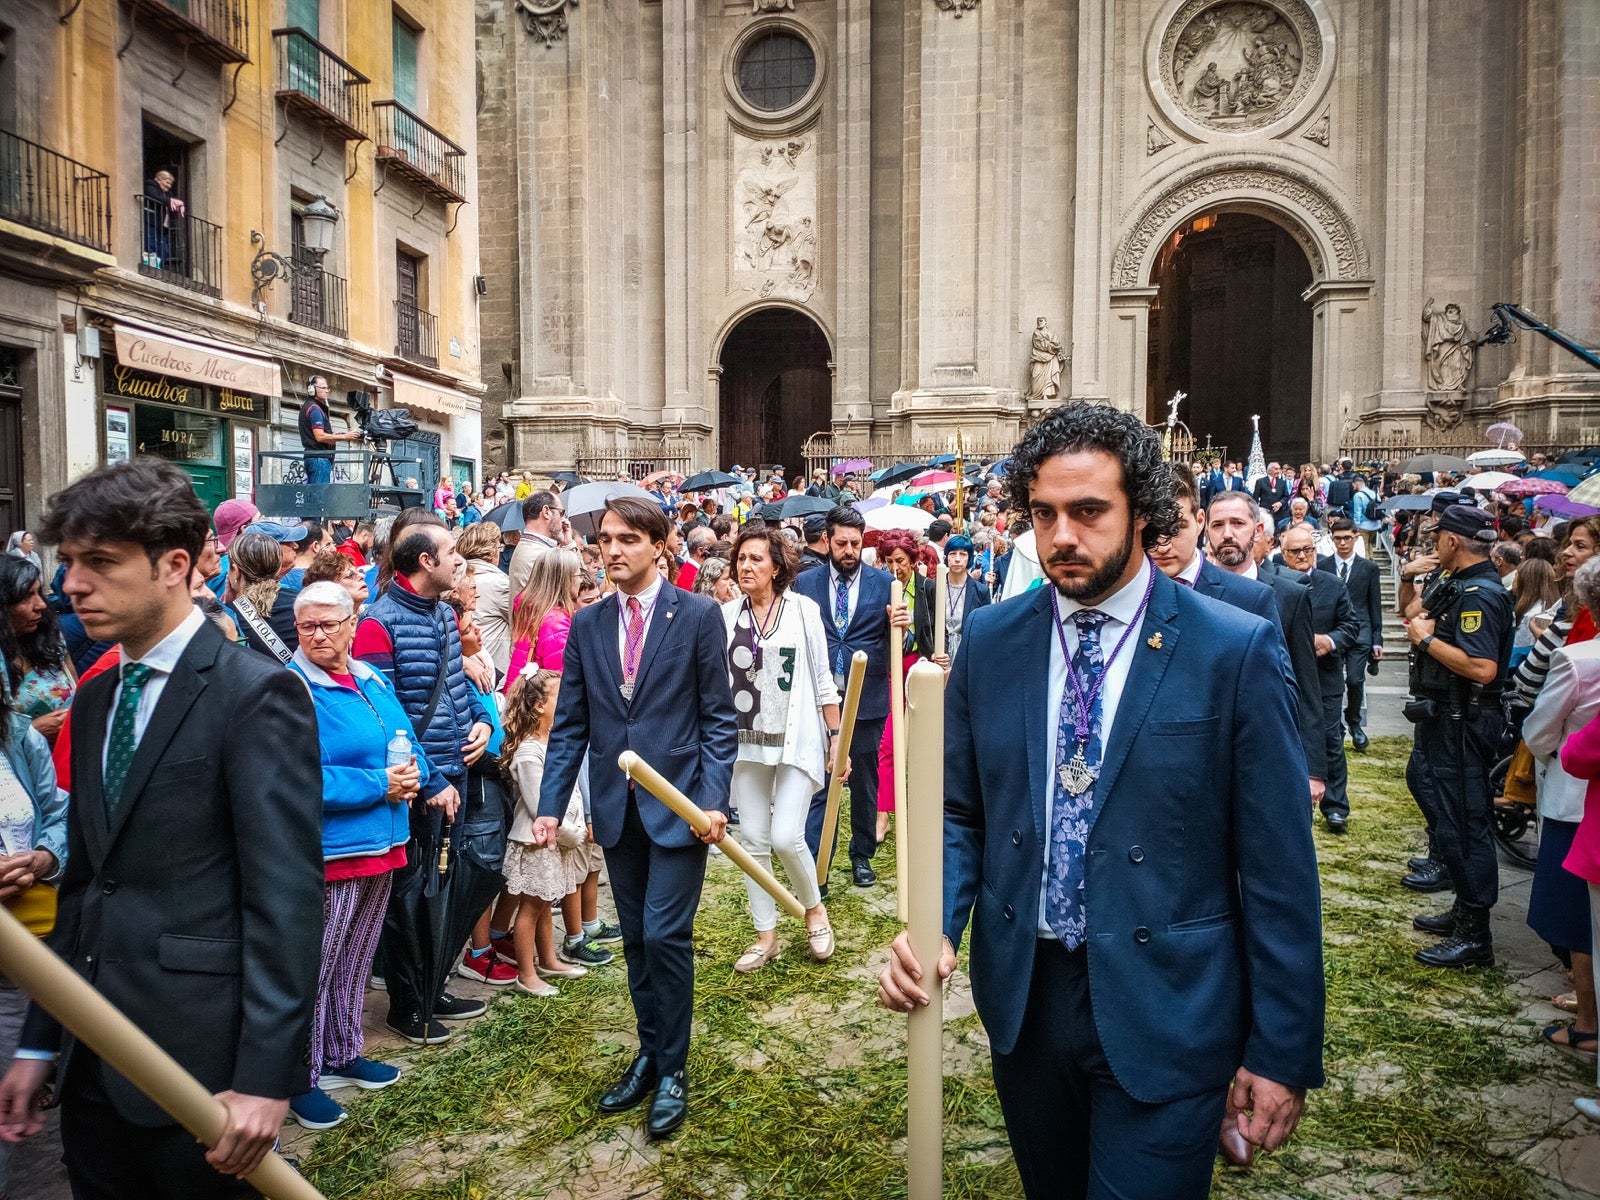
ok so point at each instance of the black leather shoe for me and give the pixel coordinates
(670, 1106)
(1431, 878)
(1456, 953)
(861, 871)
(1417, 863)
(1358, 738)
(635, 1084)
(1337, 822)
(1440, 924)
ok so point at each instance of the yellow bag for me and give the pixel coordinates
(1519, 787)
(36, 908)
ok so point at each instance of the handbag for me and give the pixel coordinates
(36, 909)
(1520, 787)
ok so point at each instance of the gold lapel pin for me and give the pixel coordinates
(1154, 640)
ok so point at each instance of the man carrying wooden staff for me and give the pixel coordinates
(1146, 942)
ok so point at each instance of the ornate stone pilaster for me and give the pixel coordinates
(546, 20)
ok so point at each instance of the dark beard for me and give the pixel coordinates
(1227, 550)
(1099, 585)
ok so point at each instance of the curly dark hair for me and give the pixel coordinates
(1146, 479)
(43, 649)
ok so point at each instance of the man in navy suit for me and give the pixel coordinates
(1365, 584)
(1146, 950)
(647, 671)
(1179, 559)
(855, 615)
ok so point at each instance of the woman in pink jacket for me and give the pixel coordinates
(541, 617)
(1581, 759)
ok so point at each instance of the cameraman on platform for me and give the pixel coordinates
(314, 433)
(1461, 641)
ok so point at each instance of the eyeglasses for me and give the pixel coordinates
(312, 628)
(1300, 553)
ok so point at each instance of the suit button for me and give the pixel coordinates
(1136, 854)
(630, 722)
(1007, 913)
(111, 886)
(1141, 935)
(1016, 837)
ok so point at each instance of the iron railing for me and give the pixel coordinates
(1394, 447)
(640, 457)
(53, 193)
(317, 299)
(416, 334)
(220, 28)
(178, 247)
(315, 82)
(413, 148)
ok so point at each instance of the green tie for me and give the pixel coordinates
(119, 754)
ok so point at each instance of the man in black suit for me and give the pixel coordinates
(192, 896)
(1361, 578)
(646, 670)
(855, 615)
(1234, 527)
(1272, 493)
(1334, 625)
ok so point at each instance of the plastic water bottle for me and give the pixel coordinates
(399, 752)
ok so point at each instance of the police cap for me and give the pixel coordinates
(1443, 500)
(1471, 523)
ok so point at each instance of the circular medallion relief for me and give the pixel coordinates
(1237, 65)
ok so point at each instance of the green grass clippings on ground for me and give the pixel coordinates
(798, 1079)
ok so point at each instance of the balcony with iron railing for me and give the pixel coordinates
(320, 86)
(317, 298)
(417, 151)
(54, 194)
(416, 334)
(178, 247)
(217, 28)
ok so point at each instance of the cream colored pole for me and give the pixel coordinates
(941, 607)
(699, 820)
(925, 1026)
(95, 1022)
(897, 717)
(841, 759)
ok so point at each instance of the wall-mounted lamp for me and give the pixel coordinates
(317, 221)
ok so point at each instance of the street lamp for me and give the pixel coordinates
(318, 219)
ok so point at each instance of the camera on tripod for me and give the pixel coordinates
(382, 425)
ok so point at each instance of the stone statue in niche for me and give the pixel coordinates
(1447, 347)
(1237, 64)
(761, 6)
(1044, 365)
(775, 237)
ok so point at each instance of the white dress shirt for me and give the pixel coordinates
(162, 659)
(852, 594)
(1121, 607)
(1191, 573)
(647, 610)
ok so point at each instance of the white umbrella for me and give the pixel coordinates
(1488, 481)
(1495, 458)
(899, 516)
(586, 503)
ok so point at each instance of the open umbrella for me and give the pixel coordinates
(1488, 481)
(1503, 432)
(942, 460)
(570, 478)
(1496, 458)
(871, 502)
(1564, 506)
(705, 481)
(898, 473)
(1587, 492)
(1408, 503)
(797, 504)
(1521, 489)
(1433, 462)
(587, 502)
(1571, 475)
(899, 516)
(851, 466)
(508, 516)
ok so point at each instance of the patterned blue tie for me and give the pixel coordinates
(841, 618)
(1064, 908)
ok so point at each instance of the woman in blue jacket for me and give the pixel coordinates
(365, 827)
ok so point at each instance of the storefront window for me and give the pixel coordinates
(186, 438)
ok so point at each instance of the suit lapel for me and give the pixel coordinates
(660, 630)
(1036, 699)
(607, 626)
(89, 711)
(1139, 692)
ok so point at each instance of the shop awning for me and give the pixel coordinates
(414, 393)
(148, 348)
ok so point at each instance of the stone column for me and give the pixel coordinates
(682, 66)
(1127, 356)
(1097, 335)
(1340, 362)
(1405, 127)
(853, 287)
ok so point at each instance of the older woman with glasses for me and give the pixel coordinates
(365, 827)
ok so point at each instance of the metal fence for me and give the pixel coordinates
(415, 149)
(317, 81)
(179, 247)
(1396, 446)
(416, 334)
(822, 451)
(640, 457)
(53, 193)
(317, 299)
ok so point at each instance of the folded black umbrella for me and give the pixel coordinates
(417, 948)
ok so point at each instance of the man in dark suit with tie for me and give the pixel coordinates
(1361, 578)
(1179, 559)
(854, 599)
(1146, 950)
(1272, 493)
(646, 670)
(1235, 529)
(1335, 629)
(192, 896)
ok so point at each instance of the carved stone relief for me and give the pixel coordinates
(1155, 140)
(956, 6)
(546, 20)
(1447, 347)
(1318, 132)
(761, 6)
(1237, 65)
(775, 236)
(1045, 362)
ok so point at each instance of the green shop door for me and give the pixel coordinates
(191, 440)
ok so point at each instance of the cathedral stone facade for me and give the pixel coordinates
(735, 224)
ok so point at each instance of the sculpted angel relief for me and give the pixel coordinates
(775, 218)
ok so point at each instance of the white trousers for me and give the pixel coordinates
(773, 803)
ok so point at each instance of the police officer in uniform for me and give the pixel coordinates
(1416, 577)
(1461, 642)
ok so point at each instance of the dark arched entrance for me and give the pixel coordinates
(1229, 327)
(776, 389)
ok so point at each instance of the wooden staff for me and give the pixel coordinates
(699, 820)
(100, 1026)
(925, 1026)
(897, 717)
(941, 607)
(841, 757)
